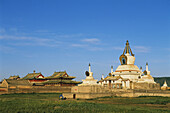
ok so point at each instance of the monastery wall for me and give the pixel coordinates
(148, 86)
(88, 92)
(137, 93)
(127, 93)
(35, 89)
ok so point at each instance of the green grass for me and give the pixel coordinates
(40, 103)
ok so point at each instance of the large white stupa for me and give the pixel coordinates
(127, 69)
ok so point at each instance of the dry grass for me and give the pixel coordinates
(50, 103)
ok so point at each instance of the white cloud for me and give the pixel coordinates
(91, 40)
(141, 49)
(95, 49)
(87, 47)
(69, 35)
(118, 48)
(31, 41)
(78, 45)
(8, 37)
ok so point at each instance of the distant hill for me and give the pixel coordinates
(162, 79)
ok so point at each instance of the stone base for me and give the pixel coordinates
(89, 82)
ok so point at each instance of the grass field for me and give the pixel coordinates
(40, 103)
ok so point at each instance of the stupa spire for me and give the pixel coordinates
(147, 66)
(111, 69)
(127, 49)
(89, 67)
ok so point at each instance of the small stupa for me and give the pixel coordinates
(88, 89)
(147, 78)
(89, 78)
(165, 86)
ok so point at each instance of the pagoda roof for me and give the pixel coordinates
(113, 78)
(127, 68)
(14, 77)
(60, 74)
(12, 82)
(32, 76)
(63, 81)
(101, 80)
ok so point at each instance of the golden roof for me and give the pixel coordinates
(61, 74)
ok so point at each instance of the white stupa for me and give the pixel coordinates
(127, 69)
(146, 77)
(165, 84)
(89, 78)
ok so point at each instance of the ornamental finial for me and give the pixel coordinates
(127, 42)
(146, 63)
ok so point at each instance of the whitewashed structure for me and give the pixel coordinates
(128, 75)
(89, 78)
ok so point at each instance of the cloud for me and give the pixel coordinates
(69, 35)
(95, 49)
(141, 49)
(91, 40)
(118, 48)
(31, 41)
(87, 47)
(8, 37)
(78, 45)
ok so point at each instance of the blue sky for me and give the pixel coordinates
(59, 35)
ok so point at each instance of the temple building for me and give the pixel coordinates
(37, 83)
(60, 79)
(15, 77)
(35, 78)
(13, 84)
(128, 75)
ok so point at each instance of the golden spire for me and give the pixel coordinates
(127, 49)
(127, 46)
